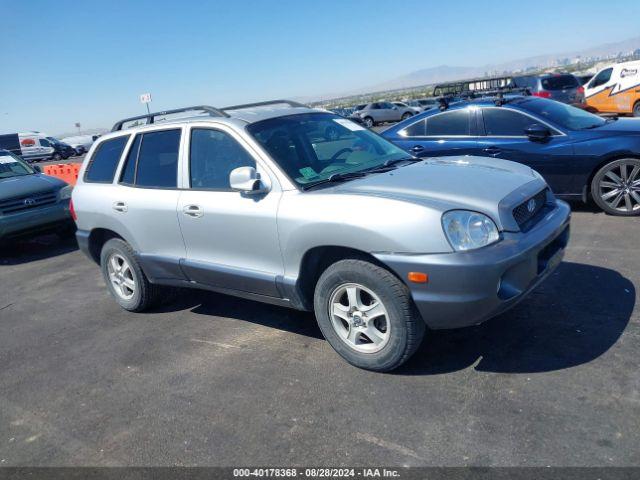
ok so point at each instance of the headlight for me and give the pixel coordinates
(469, 230)
(65, 192)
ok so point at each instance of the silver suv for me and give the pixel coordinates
(381, 112)
(256, 201)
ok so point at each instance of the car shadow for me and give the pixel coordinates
(571, 319)
(203, 302)
(575, 316)
(31, 249)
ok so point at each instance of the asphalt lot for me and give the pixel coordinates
(215, 380)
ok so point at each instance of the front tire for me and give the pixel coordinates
(636, 109)
(125, 279)
(406, 115)
(56, 157)
(368, 122)
(616, 187)
(367, 315)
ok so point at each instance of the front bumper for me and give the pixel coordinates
(35, 220)
(467, 288)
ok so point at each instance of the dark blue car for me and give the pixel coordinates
(580, 155)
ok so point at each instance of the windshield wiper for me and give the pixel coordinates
(391, 163)
(341, 177)
(337, 177)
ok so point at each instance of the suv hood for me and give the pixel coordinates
(28, 185)
(446, 183)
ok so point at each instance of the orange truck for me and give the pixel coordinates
(615, 89)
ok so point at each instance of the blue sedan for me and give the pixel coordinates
(580, 155)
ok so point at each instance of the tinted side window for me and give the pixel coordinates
(418, 129)
(212, 156)
(129, 171)
(158, 159)
(502, 122)
(45, 143)
(102, 166)
(602, 78)
(449, 123)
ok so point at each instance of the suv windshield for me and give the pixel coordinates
(312, 147)
(12, 166)
(560, 82)
(562, 114)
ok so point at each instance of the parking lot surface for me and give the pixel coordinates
(215, 380)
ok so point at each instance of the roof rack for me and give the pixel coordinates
(265, 104)
(495, 92)
(150, 117)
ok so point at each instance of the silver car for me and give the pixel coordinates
(256, 201)
(382, 112)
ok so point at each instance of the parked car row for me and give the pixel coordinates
(615, 89)
(37, 146)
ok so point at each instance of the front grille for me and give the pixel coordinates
(27, 202)
(527, 214)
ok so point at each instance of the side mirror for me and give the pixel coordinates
(247, 180)
(537, 132)
(37, 168)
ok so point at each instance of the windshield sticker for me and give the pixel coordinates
(353, 126)
(7, 160)
(308, 172)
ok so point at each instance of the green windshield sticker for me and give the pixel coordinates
(308, 172)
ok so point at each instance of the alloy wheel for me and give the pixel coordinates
(619, 187)
(359, 318)
(121, 276)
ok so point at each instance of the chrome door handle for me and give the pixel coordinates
(120, 206)
(193, 211)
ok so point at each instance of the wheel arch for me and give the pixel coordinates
(610, 158)
(97, 238)
(317, 259)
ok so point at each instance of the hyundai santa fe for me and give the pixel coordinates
(256, 201)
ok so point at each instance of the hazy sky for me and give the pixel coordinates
(87, 61)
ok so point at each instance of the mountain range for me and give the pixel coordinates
(446, 73)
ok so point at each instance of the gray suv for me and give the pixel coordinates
(381, 112)
(256, 201)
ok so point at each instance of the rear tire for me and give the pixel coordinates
(56, 157)
(377, 326)
(636, 109)
(616, 187)
(125, 279)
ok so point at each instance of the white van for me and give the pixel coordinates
(35, 146)
(615, 89)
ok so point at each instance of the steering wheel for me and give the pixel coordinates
(340, 152)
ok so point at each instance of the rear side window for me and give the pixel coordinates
(128, 175)
(213, 155)
(560, 82)
(505, 123)
(104, 162)
(450, 123)
(158, 159)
